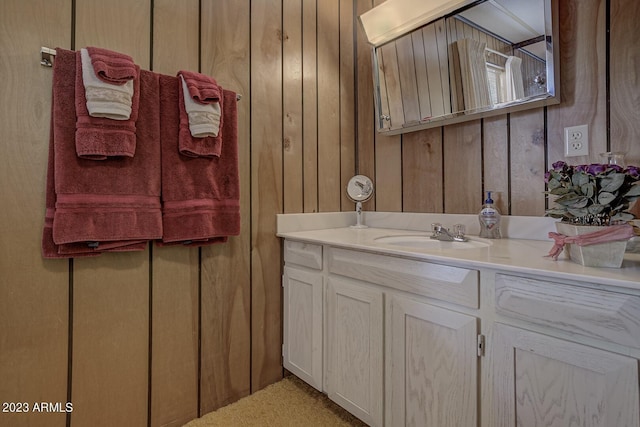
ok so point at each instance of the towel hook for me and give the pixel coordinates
(46, 56)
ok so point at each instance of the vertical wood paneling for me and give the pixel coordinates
(418, 41)
(365, 111)
(175, 36)
(33, 291)
(310, 105)
(582, 79)
(495, 157)
(527, 162)
(624, 74)
(226, 329)
(110, 340)
(328, 38)
(174, 294)
(388, 168)
(388, 158)
(388, 179)
(241, 308)
(392, 86)
(174, 341)
(408, 83)
(266, 191)
(435, 45)
(111, 292)
(457, 102)
(226, 269)
(119, 25)
(292, 105)
(583, 101)
(462, 168)
(422, 171)
(347, 100)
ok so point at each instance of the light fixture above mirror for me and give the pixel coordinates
(393, 18)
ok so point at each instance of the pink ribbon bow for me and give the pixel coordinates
(606, 234)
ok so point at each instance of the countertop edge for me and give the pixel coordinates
(521, 256)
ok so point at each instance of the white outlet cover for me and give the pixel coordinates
(576, 141)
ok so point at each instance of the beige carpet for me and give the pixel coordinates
(289, 402)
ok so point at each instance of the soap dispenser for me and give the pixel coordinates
(489, 218)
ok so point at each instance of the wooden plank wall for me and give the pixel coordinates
(34, 293)
(447, 169)
(160, 337)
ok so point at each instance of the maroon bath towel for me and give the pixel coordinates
(112, 67)
(113, 205)
(203, 89)
(98, 138)
(49, 248)
(200, 196)
(210, 146)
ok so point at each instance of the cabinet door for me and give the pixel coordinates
(302, 324)
(355, 348)
(432, 364)
(545, 381)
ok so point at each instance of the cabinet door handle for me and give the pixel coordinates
(480, 345)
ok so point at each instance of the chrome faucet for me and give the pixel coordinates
(443, 234)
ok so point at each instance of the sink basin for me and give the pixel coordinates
(423, 241)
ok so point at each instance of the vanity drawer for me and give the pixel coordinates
(301, 253)
(452, 284)
(593, 313)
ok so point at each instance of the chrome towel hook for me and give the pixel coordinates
(46, 56)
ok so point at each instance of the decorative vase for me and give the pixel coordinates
(608, 254)
(613, 158)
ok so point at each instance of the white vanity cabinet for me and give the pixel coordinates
(399, 340)
(432, 364)
(303, 300)
(544, 380)
(354, 378)
(385, 329)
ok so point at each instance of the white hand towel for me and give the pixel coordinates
(105, 99)
(204, 119)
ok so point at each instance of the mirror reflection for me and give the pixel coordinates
(491, 57)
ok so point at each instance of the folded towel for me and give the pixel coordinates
(82, 249)
(49, 248)
(100, 206)
(105, 99)
(112, 67)
(98, 138)
(190, 145)
(204, 119)
(200, 196)
(203, 89)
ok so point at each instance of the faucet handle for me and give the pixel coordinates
(436, 227)
(458, 230)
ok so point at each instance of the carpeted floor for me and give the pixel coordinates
(287, 403)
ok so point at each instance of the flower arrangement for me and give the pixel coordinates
(595, 194)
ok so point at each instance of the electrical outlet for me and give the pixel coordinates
(576, 141)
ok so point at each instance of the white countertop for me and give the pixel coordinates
(515, 253)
